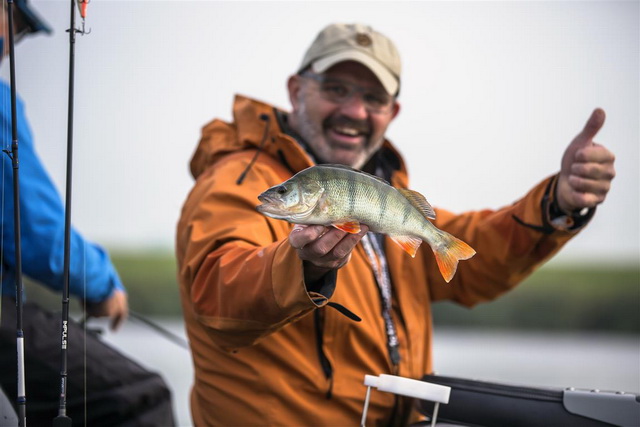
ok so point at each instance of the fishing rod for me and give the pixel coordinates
(165, 333)
(13, 155)
(63, 420)
(160, 330)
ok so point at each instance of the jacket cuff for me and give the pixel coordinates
(322, 290)
(552, 218)
(561, 220)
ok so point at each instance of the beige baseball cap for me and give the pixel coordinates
(355, 42)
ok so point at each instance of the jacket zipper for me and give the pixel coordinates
(324, 362)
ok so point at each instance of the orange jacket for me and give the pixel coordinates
(266, 351)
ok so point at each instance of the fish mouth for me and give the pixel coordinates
(265, 199)
(270, 210)
(270, 207)
(273, 211)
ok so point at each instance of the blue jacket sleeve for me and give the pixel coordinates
(42, 224)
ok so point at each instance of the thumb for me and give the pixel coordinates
(593, 125)
(583, 139)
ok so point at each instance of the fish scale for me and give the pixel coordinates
(364, 199)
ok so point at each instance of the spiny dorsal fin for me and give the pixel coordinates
(334, 166)
(419, 202)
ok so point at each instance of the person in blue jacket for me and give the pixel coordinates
(92, 276)
(118, 391)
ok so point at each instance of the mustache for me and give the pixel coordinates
(362, 126)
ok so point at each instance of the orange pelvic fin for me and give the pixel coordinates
(448, 255)
(409, 244)
(352, 227)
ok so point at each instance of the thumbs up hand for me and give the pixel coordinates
(587, 169)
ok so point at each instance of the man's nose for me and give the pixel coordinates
(354, 107)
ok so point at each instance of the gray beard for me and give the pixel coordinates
(310, 133)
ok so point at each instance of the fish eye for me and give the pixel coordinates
(281, 190)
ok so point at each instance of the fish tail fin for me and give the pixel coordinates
(449, 252)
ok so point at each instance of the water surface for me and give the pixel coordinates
(592, 361)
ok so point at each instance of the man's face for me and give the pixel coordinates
(346, 132)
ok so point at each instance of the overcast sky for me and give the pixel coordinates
(492, 93)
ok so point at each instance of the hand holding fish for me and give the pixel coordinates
(587, 169)
(322, 248)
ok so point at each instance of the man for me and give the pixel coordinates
(117, 389)
(258, 294)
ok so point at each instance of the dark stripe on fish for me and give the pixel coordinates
(351, 186)
(407, 211)
(383, 206)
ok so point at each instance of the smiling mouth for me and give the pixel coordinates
(348, 138)
(347, 129)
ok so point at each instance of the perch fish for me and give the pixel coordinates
(343, 197)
